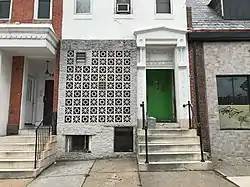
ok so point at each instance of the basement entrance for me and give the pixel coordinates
(161, 94)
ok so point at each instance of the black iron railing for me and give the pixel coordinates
(198, 126)
(43, 134)
(145, 127)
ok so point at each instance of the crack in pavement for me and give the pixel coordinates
(87, 175)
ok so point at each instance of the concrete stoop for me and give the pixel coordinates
(17, 154)
(170, 149)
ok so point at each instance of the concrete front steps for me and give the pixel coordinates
(17, 155)
(170, 149)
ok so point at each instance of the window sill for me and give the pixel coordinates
(4, 19)
(42, 19)
(164, 17)
(123, 16)
(83, 17)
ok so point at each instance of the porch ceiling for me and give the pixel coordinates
(29, 40)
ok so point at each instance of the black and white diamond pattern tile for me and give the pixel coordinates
(99, 92)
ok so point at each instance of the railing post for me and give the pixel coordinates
(145, 127)
(35, 150)
(142, 105)
(189, 115)
(146, 141)
(201, 145)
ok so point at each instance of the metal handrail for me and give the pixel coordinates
(145, 127)
(43, 134)
(190, 112)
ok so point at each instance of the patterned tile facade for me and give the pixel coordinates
(97, 94)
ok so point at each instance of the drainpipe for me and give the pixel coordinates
(197, 99)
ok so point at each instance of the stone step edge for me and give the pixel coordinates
(166, 129)
(24, 143)
(173, 162)
(170, 144)
(171, 153)
(19, 170)
(167, 136)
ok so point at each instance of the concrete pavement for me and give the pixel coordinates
(116, 173)
(63, 174)
(235, 169)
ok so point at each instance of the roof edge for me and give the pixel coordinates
(216, 36)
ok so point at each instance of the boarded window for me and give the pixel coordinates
(123, 141)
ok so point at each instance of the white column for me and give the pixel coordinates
(141, 82)
(182, 85)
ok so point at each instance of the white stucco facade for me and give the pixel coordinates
(103, 23)
(126, 45)
(5, 82)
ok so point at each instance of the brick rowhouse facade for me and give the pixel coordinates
(201, 84)
(23, 12)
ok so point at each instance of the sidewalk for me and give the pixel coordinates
(234, 169)
(117, 173)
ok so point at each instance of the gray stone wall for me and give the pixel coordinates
(86, 109)
(225, 58)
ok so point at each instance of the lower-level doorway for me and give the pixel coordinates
(161, 95)
(48, 101)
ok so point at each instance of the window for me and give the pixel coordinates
(82, 6)
(123, 7)
(123, 141)
(4, 9)
(233, 101)
(78, 143)
(163, 6)
(43, 9)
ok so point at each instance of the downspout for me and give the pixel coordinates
(197, 99)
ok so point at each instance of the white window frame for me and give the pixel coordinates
(83, 15)
(10, 12)
(36, 11)
(164, 15)
(124, 16)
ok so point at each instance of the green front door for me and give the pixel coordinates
(160, 94)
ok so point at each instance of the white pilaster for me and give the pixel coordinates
(141, 81)
(182, 83)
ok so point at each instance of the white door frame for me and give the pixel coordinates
(32, 98)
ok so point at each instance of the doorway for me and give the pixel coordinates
(30, 101)
(161, 95)
(48, 101)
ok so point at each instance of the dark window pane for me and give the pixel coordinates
(44, 9)
(163, 6)
(240, 87)
(225, 90)
(4, 8)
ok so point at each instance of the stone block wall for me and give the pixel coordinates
(225, 58)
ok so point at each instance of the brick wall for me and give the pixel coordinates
(201, 90)
(22, 11)
(15, 94)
